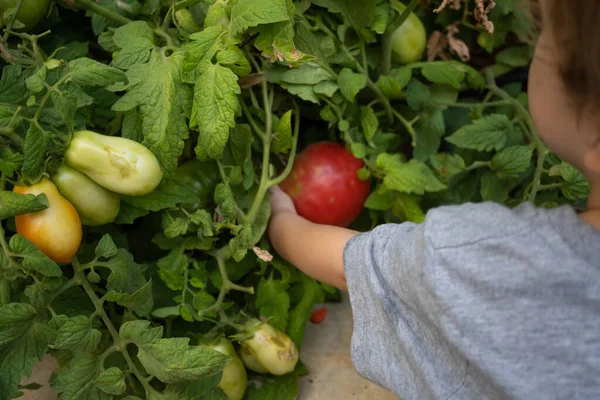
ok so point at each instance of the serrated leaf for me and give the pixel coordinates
(305, 92)
(34, 151)
(351, 83)
(577, 187)
(411, 177)
(9, 161)
(111, 381)
(282, 140)
(447, 165)
(32, 257)
(380, 200)
(276, 41)
(407, 208)
(66, 106)
(78, 336)
(37, 82)
(273, 301)
(140, 332)
(417, 95)
(515, 56)
(307, 74)
(512, 161)
(23, 341)
(485, 134)
(224, 197)
(78, 381)
(381, 18)
(106, 247)
(214, 109)
(328, 88)
(87, 72)
(126, 276)
(140, 301)
(393, 84)
(202, 47)
(135, 40)
(13, 204)
(174, 226)
(430, 128)
(493, 188)
(168, 194)
(12, 84)
(368, 122)
(249, 13)
(358, 14)
(163, 101)
(450, 73)
(173, 360)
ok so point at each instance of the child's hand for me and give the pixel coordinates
(281, 202)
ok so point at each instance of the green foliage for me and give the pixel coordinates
(191, 257)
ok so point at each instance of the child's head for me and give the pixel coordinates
(564, 83)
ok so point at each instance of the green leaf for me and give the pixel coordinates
(111, 381)
(174, 227)
(34, 152)
(368, 122)
(447, 166)
(106, 247)
(173, 360)
(168, 194)
(430, 128)
(140, 301)
(135, 40)
(493, 188)
(282, 141)
(358, 14)
(512, 161)
(417, 95)
(380, 200)
(78, 381)
(78, 336)
(307, 74)
(163, 100)
(485, 134)
(224, 197)
(140, 332)
(240, 143)
(23, 341)
(273, 301)
(381, 18)
(12, 84)
(450, 73)
(37, 82)
(32, 258)
(9, 161)
(215, 106)
(407, 208)
(577, 188)
(358, 150)
(87, 72)
(411, 177)
(249, 13)
(515, 56)
(312, 293)
(393, 84)
(351, 83)
(305, 92)
(276, 41)
(328, 88)
(66, 106)
(283, 388)
(202, 47)
(126, 275)
(13, 204)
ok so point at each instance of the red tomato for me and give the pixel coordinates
(56, 231)
(318, 316)
(324, 185)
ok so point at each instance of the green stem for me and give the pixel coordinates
(551, 186)
(104, 12)
(121, 346)
(12, 20)
(541, 148)
(252, 121)
(478, 164)
(474, 105)
(290, 163)
(408, 125)
(386, 64)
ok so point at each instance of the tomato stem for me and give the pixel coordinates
(102, 11)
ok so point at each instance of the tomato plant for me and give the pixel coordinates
(30, 13)
(125, 91)
(56, 231)
(325, 186)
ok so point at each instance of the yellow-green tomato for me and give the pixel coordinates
(234, 379)
(119, 164)
(410, 39)
(95, 204)
(31, 12)
(269, 350)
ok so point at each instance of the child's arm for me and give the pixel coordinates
(315, 249)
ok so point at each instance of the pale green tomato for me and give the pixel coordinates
(269, 350)
(234, 379)
(119, 164)
(409, 40)
(31, 12)
(95, 204)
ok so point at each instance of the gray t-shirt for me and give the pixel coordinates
(479, 302)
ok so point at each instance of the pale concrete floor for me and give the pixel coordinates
(325, 352)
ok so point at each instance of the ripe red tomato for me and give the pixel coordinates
(56, 231)
(324, 185)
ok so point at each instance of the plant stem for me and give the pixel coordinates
(474, 105)
(100, 10)
(290, 163)
(541, 148)
(122, 346)
(478, 164)
(12, 20)
(386, 64)
(251, 121)
(408, 125)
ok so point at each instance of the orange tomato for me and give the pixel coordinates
(56, 231)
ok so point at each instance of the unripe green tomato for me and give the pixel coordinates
(119, 164)
(269, 350)
(234, 379)
(409, 40)
(95, 204)
(31, 12)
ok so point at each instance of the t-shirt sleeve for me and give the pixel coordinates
(396, 342)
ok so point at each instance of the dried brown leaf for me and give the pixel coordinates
(251, 80)
(459, 47)
(454, 4)
(436, 45)
(481, 14)
(262, 254)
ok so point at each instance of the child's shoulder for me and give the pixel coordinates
(452, 226)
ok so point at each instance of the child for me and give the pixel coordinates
(481, 301)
